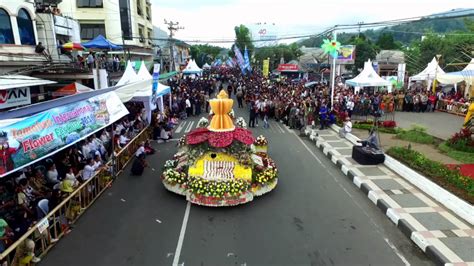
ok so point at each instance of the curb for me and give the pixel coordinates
(404, 226)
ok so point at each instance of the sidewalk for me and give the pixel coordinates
(439, 124)
(445, 238)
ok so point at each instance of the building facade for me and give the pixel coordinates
(124, 22)
(18, 36)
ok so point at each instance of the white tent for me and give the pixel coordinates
(467, 75)
(368, 78)
(192, 68)
(428, 74)
(206, 66)
(130, 84)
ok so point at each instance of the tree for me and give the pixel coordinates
(365, 50)
(288, 52)
(204, 53)
(243, 39)
(386, 42)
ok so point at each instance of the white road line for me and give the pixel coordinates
(180, 127)
(177, 253)
(287, 128)
(281, 129)
(272, 127)
(189, 127)
(399, 254)
(309, 150)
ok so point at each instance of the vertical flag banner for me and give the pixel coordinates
(246, 60)
(156, 76)
(266, 67)
(240, 58)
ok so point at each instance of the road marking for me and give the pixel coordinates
(288, 128)
(177, 253)
(230, 254)
(397, 252)
(158, 221)
(279, 126)
(122, 200)
(180, 127)
(272, 127)
(169, 255)
(309, 150)
(189, 127)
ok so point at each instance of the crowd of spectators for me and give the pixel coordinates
(28, 194)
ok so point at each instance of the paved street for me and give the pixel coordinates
(438, 124)
(314, 217)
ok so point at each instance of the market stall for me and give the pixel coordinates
(466, 75)
(429, 74)
(192, 69)
(368, 78)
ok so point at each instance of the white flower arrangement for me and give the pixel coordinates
(240, 122)
(203, 122)
(231, 113)
(170, 164)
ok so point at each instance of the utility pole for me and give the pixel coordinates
(172, 27)
(360, 24)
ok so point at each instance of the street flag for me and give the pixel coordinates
(156, 77)
(246, 60)
(266, 67)
(240, 58)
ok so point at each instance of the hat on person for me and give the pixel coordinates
(66, 186)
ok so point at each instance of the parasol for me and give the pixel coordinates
(72, 46)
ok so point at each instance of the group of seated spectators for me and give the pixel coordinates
(27, 195)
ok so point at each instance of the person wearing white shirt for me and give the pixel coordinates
(140, 150)
(346, 128)
(89, 170)
(123, 140)
(52, 175)
(86, 151)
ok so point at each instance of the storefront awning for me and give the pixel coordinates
(19, 81)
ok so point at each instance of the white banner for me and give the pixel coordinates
(15, 97)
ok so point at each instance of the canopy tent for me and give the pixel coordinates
(138, 88)
(168, 75)
(368, 78)
(19, 81)
(467, 75)
(429, 74)
(71, 89)
(192, 68)
(206, 66)
(100, 42)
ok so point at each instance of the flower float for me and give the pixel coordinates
(331, 47)
(217, 163)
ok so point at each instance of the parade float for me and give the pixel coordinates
(219, 163)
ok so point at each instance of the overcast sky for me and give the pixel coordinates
(215, 19)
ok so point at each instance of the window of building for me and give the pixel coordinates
(6, 32)
(89, 3)
(25, 27)
(150, 36)
(141, 33)
(125, 19)
(148, 12)
(139, 8)
(90, 31)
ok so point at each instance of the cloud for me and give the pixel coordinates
(215, 19)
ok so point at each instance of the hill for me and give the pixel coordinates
(405, 33)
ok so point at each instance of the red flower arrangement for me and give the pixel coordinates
(219, 139)
(389, 124)
(463, 135)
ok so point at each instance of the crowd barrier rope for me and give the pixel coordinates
(56, 223)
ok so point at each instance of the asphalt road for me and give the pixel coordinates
(314, 217)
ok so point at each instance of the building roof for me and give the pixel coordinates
(390, 57)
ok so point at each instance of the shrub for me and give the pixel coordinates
(416, 134)
(433, 170)
(462, 141)
(461, 156)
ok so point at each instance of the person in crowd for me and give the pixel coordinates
(323, 117)
(139, 165)
(25, 254)
(90, 169)
(123, 138)
(52, 175)
(346, 128)
(372, 141)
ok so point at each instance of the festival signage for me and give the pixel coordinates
(346, 54)
(287, 67)
(31, 139)
(14, 97)
(266, 67)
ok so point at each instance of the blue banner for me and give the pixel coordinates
(246, 60)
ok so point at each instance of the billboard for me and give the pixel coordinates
(346, 54)
(31, 139)
(264, 34)
(266, 67)
(14, 97)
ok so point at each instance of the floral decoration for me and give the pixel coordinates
(218, 189)
(174, 177)
(182, 141)
(219, 139)
(266, 176)
(232, 114)
(203, 122)
(331, 47)
(260, 141)
(240, 122)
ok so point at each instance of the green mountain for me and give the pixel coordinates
(405, 33)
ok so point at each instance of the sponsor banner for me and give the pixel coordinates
(346, 53)
(156, 77)
(287, 67)
(15, 97)
(27, 141)
(266, 67)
